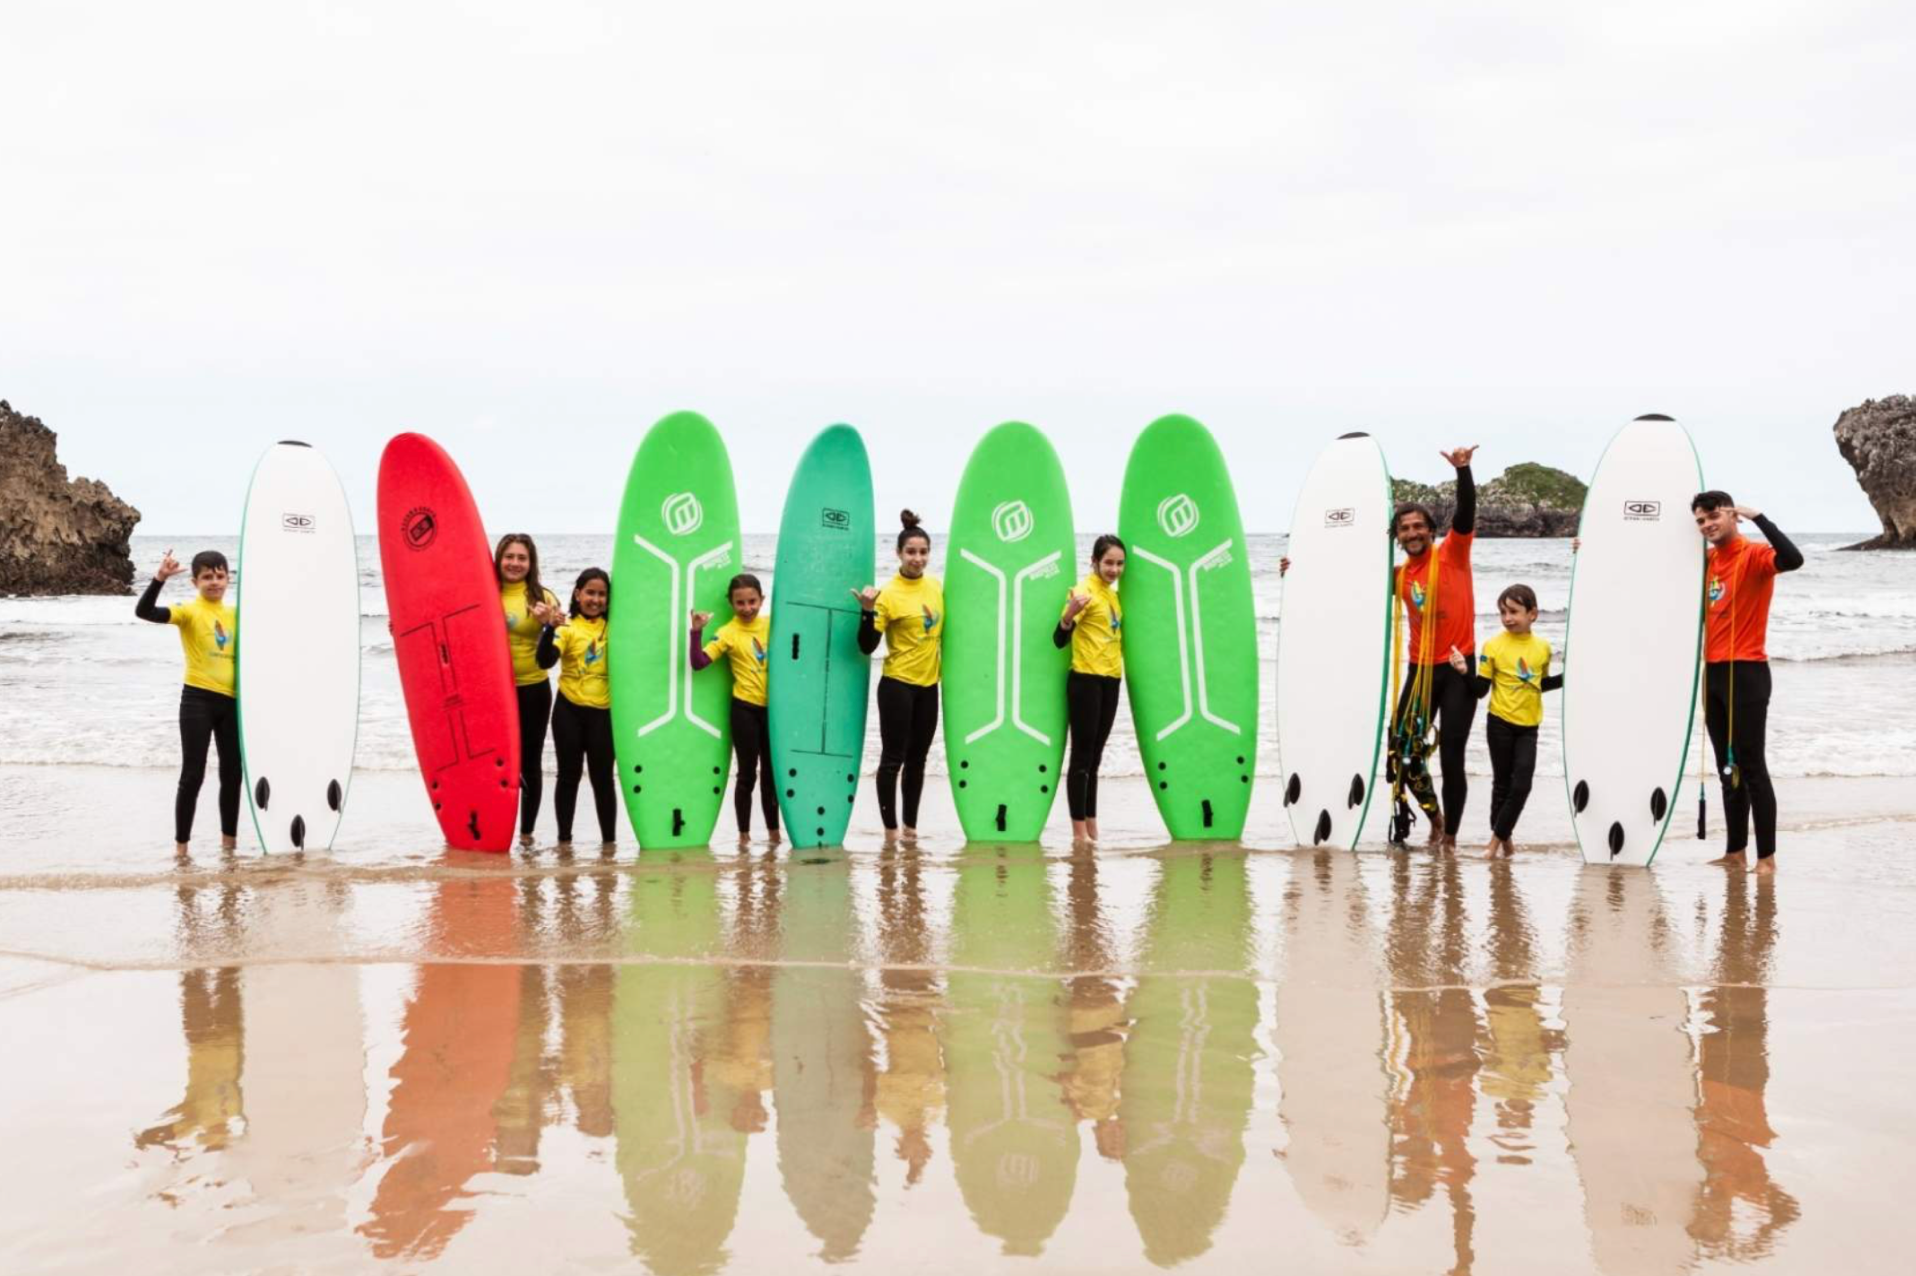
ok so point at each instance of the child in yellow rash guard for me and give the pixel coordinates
(582, 717)
(743, 641)
(1093, 626)
(909, 613)
(209, 638)
(528, 607)
(1513, 669)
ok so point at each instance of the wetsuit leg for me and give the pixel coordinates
(1752, 728)
(1716, 714)
(924, 726)
(599, 765)
(1456, 704)
(196, 733)
(768, 787)
(1404, 757)
(747, 730)
(535, 709)
(894, 737)
(1092, 702)
(225, 713)
(568, 745)
(1513, 760)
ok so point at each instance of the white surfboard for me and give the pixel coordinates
(1333, 643)
(298, 660)
(1634, 635)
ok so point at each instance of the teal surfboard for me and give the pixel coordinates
(1008, 568)
(676, 547)
(818, 681)
(1190, 630)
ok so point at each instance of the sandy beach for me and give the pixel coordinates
(954, 1058)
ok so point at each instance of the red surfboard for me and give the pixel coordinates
(450, 639)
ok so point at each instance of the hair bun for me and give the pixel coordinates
(908, 518)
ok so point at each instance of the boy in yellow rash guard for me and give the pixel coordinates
(529, 607)
(209, 637)
(582, 716)
(1093, 625)
(1513, 669)
(909, 613)
(743, 641)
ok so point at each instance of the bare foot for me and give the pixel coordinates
(1733, 860)
(1495, 848)
(1766, 866)
(744, 839)
(1091, 829)
(563, 846)
(525, 840)
(772, 838)
(1448, 846)
(180, 852)
(1510, 848)
(608, 845)
(228, 843)
(909, 836)
(1436, 830)
(891, 837)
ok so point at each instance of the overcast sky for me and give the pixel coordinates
(530, 230)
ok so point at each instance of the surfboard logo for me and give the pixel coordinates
(418, 528)
(682, 514)
(297, 522)
(1642, 511)
(1178, 515)
(837, 520)
(1011, 521)
(1346, 517)
(684, 577)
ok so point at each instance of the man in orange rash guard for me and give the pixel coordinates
(1452, 613)
(1738, 582)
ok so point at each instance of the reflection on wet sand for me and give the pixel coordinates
(680, 1158)
(911, 1084)
(1190, 1057)
(1014, 1145)
(1732, 1119)
(1520, 1048)
(822, 1071)
(458, 1039)
(210, 1112)
(1632, 1081)
(1330, 1035)
(1433, 1019)
(1096, 1015)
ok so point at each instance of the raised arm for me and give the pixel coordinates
(1788, 556)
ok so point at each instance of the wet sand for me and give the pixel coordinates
(958, 1058)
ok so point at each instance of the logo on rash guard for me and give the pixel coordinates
(512, 621)
(1716, 589)
(1417, 595)
(758, 651)
(1523, 670)
(219, 636)
(931, 618)
(592, 652)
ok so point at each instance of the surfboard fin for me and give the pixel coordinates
(262, 792)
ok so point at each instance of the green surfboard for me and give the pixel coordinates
(1008, 567)
(677, 546)
(818, 681)
(1190, 630)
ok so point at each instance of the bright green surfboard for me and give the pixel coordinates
(677, 546)
(1190, 630)
(1008, 567)
(818, 681)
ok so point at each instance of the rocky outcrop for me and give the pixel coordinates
(57, 535)
(1525, 500)
(1878, 439)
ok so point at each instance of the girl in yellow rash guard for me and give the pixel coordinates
(1093, 627)
(909, 613)
(743, 641)
(582, 715)
(529, 607)
(209, 636)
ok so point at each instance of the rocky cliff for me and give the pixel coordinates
(1525, 500)
(57, 535)
(1878, 439)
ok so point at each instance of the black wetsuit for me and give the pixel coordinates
(1513, 760)
(1092, 702)
(205, 716)
(582, 742)
(907, 723)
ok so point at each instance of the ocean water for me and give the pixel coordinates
(86, 683)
